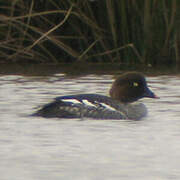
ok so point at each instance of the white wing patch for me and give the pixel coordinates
(86, 102)
(108, 107)
(75, 101)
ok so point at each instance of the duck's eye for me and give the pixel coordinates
(135, 84)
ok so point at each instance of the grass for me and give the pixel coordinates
(124, 32)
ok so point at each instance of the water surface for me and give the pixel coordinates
(38, 148)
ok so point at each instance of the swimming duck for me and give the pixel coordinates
(125, 91)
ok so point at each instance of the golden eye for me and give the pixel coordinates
(135, 84)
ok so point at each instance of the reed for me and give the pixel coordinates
(126, 31)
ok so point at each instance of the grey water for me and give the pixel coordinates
(37, 148)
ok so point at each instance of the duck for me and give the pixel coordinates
(122, 102)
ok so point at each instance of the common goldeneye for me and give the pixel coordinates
(121, 104)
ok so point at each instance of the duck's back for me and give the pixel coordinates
(91, 106)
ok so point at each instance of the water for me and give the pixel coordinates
(37, 148)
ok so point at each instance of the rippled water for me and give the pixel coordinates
(37, 148)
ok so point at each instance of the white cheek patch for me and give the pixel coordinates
(75, 101)
(107, 107)
(86, 102)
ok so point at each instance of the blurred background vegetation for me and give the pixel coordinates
(100, 31)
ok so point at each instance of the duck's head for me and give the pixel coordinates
(130, 87)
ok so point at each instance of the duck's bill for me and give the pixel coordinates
(148, 93)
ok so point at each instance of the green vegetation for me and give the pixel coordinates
(124, 31)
